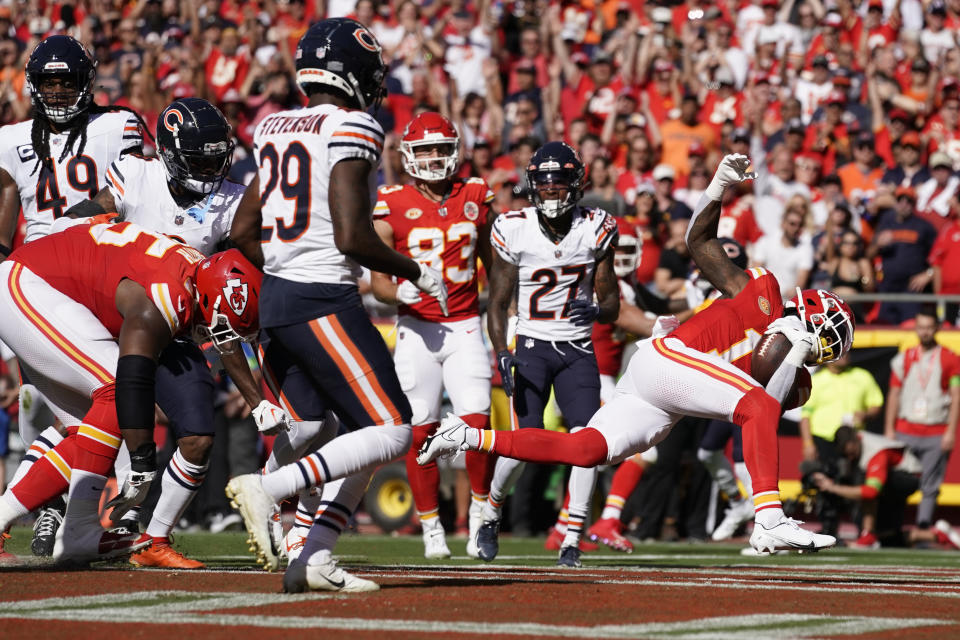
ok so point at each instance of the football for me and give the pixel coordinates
(766, 358)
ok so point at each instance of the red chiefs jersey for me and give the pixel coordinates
(87, 262)
(442, 236)
(609, 340)
(731, 328)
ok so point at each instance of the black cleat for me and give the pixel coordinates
(569, 557)
(45, 529)
(488, 543)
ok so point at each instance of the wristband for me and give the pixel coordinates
(144, 459)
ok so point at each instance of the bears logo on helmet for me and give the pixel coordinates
(195, 144)
(341, 54)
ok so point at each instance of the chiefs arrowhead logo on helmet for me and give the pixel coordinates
(235, 293)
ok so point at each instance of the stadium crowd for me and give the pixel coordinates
(849, 110)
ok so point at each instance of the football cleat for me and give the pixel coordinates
(474, 520)
(45, 529)
(945, 534)
(450, 438)
(866, 541)
(736, 515)
(555, 541)
(5, 556)
(164, 556)
(488, 543)
(609, 531)
(569, 557)
(435, 544)
(787, 535)
(292, 543)
(276, 532)
(255, 506)
(88, 543)
(323, 576)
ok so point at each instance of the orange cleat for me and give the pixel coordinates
(5, 556)
(161, 554)
(555, 541)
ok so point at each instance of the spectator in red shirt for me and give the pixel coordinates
(531, 54)
(945, 259)
(227, 65)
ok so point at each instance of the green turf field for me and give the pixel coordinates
(230, 550)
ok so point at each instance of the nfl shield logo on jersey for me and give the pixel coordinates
(235, 293)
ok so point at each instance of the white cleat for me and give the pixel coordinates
(275, 525)
(323, 576)
(88, 542)
(450, 437)
(736, 515)
(292, 543)
(435, 544)
(787, 535)
(255, 506)
(474, 520)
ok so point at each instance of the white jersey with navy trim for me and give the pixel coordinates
(46, 195)
(140, 191)
(552, 274)
(295, 152)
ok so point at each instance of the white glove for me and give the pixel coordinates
(132, 493)
(431, 283)
(407, 293)
(804, 343)
(664, 325)
(270, 418)
(732, 170)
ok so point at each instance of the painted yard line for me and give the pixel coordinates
(794, 625)
(224, 599)
(710, 583)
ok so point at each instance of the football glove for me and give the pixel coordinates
(732, 170)
(431, 283)
(582, 313)
(506, 361)
(407, 293)
(270, 418)
(804, 343)
(143, 469)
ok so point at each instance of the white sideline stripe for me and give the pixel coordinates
(77, 609)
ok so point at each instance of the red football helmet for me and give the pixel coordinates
(627, 257)
(228, 293)
(431, 129)
(829, 318)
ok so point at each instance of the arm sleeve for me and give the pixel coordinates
(877, 469)
(500, 239)
(357, 136)
(606, 232)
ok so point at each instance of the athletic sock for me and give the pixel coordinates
(48, 477)
(504, 477)
(721, 471)
(586, 448)
(625, 480)
(424, 480)
(740, 468)
(580, 492)
(345, 455)
(758, 414)
(338, 501)
(48, 439)
(180, 482)
(560, 526)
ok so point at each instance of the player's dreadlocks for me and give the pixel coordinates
(40, 133)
